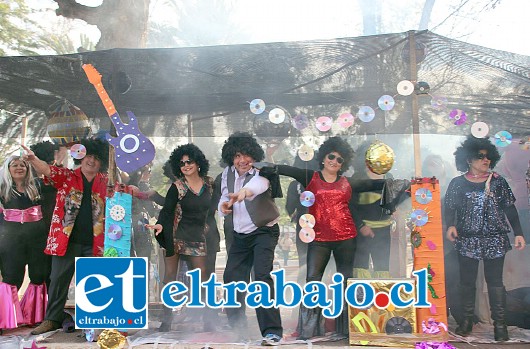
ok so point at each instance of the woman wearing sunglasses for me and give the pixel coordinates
(181, 227)
(477, 204)
(335, 229)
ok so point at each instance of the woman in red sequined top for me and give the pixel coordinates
(334, 228)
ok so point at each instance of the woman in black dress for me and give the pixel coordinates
(182, 223)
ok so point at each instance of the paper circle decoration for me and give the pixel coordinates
(480, 129)
(405, 88)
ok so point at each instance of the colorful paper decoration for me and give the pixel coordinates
(388, 327)
(425, 256)
(118, 225)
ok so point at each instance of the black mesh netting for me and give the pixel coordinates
(212, 86)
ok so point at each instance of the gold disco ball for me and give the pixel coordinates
(67, 123)
(379, 157)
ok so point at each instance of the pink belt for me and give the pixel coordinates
(32, 214)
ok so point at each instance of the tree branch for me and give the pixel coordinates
(74, 10)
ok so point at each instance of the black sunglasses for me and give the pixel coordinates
(186, 162)
(482, 156)
(333, 156)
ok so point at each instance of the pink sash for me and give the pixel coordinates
(32, 214)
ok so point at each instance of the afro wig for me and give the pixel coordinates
(45, 151)
(244, 143)
(336, 144)
(469, 149)
(194, 153)
(99, 148)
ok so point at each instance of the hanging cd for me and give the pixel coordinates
(307, 220)
(422, 88)
(306, 153)
(459, 116)
(115, 232)
(78, 151)
(423, 196)
(277, 116)
(306, 235)
(257, 106)
(386, 102)
(419, 217)
(398, 325)
(480, 129)
(307, 198)
(503, 138)
(366, 113)
(345, 120)
(438, 103)
(300, 122)
(405, 88)
(323, 123)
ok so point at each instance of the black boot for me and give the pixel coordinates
(166, 319)
(467, 298)
(497, 296)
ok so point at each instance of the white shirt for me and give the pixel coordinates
(257, 185)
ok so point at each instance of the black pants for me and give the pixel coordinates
(63, 268)
(378, 247)
(318, 255)
(254, 250)
(21, 245)
(492, 271)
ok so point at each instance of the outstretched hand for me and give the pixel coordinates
(157, 228)
(28, 153)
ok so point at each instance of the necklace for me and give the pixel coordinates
(471, 175)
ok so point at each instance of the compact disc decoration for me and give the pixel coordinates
(386, 102)
(307, 198)
(115, 232)
(398, 325)
(423, 196)
(503, 138)
(277, 116)
(405, 87)
(480, 129)
(117, 212)
(419, 217)
(366, 113)
(257, 106)
(300, 122)
(439, 103)
(307, 221)
(345, 120)
(306, 153)
(422, 88)
(307, 235)
(458, 116)
(78, 151)
(323, 123)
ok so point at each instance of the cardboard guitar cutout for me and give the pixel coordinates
(133, 149)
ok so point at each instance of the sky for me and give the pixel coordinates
(504, 28)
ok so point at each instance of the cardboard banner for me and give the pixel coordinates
(427, 241)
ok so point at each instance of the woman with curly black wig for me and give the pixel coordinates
(335, 229)
(477, 204)
(181, 227)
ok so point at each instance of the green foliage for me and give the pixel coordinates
(17, 29)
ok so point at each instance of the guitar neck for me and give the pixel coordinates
(105, 99)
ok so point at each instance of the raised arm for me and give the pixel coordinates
(40, 166)
(300, 174)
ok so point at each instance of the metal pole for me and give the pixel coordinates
(415, 117)
(190, 130)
